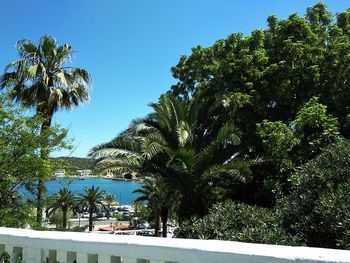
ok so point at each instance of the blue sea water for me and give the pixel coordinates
(122, 189)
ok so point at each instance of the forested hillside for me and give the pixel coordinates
(77, 163)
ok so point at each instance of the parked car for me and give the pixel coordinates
(126, 214)
(85, 215)
(148, 233)
(144, 225)
(121, 233)
(99, 214)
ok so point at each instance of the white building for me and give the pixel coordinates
(85, 172)
(60, 173)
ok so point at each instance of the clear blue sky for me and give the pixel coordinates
(129, 46)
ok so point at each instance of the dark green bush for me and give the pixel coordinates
(239, 222)
(318, 208)
(18, 214)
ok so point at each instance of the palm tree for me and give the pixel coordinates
(159, 197)
(109, 200)
(79, 209)
(40, 79)
(63, 200)
(90, 199)
(173, 144)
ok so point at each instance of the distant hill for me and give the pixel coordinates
(77, 163)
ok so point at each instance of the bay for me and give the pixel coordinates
(122, 189)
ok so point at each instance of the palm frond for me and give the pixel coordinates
(40, 77)
(79, 73)
(118, 166)
(236, 170)
(114, 153)
(124, 142)
(182, 160)
(152, 144)
(47, 45)
(227, 135)
(184, 133)
(26, 48)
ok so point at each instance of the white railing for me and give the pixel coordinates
(46, 246)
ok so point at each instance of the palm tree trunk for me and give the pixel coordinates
(44, 154)
(64, 218)
(156, 223)
(90, 219)
(108, 212)
(164, 215)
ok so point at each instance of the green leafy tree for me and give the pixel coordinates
(293, 144)
(63, 200)
(315, 129)
(90, 199)
(20, 161)
(41, 80)
(276, 71)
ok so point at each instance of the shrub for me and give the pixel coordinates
(62, 229)
(239, 222)
(318, 207)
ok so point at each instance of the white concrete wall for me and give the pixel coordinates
(63, 247)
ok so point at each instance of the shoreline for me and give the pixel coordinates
(94, 177)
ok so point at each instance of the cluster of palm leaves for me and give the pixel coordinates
(92, 197)
(185, 157)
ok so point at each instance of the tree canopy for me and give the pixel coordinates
(285, 88)
(255, 132)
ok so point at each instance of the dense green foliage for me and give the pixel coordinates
(252, 143)
(262, 119)
(318, 209)
(20, 161)
(287, 80)
(315, 213)
(240, 222)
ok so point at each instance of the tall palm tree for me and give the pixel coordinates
(172, 143)
(109, 200)
(90, 199)
(41, 79)
(63, 200)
